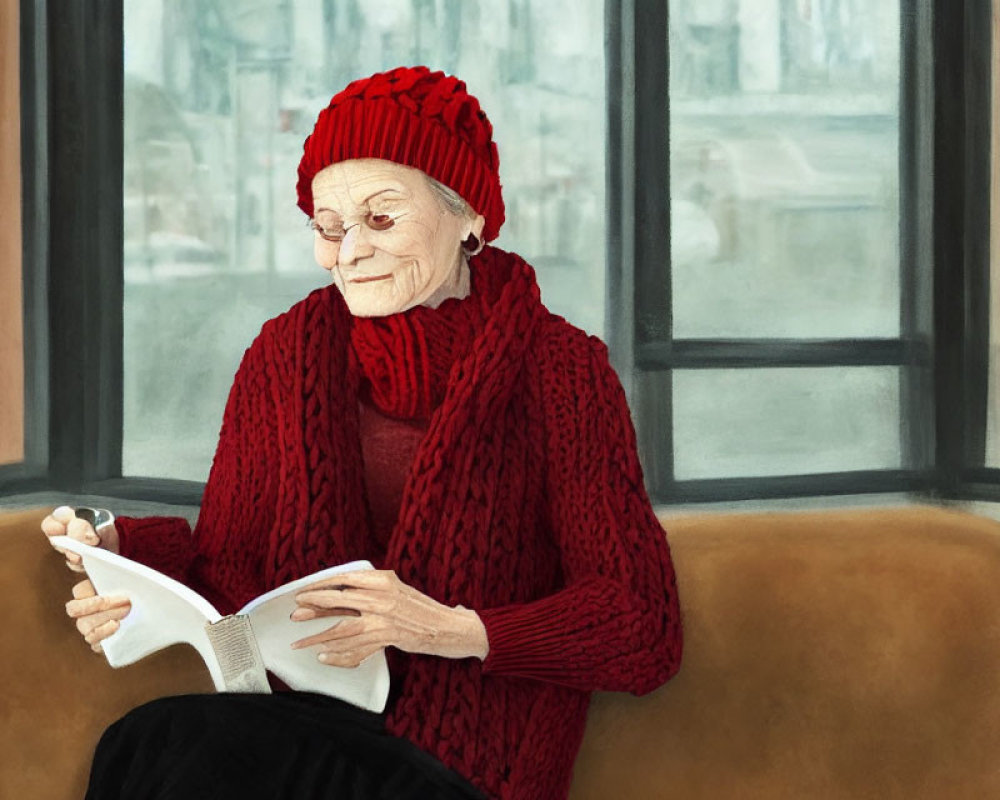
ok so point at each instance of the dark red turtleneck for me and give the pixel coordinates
(405, 360)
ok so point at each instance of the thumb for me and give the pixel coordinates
(64, 514)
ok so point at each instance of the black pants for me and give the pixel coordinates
(286, 745)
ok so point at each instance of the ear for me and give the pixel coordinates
(476, 226)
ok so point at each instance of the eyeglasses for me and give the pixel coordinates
(337, 232)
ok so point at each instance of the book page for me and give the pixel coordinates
(239, 658)
(164, 611)
(366, 685)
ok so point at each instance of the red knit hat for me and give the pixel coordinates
(414, 117)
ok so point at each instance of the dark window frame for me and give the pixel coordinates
(930, 309)
(72, 166)
(72, 74)
(963, 79)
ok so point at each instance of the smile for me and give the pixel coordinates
(369, 279)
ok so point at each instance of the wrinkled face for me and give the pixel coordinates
(386, 237)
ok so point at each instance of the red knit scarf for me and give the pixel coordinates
(406, 358)
(321, 509)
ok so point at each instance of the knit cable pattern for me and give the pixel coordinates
(525, 502)
(418, 118)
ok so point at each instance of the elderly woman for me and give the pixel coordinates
(428, 413)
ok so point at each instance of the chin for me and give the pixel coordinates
(373, 304)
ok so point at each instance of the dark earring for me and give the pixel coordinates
(472, 245)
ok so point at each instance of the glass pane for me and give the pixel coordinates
(786, 421)
(784, 167)
(11, 325)
(218, 100)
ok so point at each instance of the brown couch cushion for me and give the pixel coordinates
(58, 695)
(828, 655)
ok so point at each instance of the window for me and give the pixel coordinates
(784, 161)
(218, 99)
(714, 169)
(774, 345)
(962, 288)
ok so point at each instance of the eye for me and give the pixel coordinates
(334, 233)
(379, 222)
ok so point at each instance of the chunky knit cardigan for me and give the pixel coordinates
(525, 502)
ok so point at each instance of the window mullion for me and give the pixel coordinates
(84, 240)
(916, 204)
(754, 353)
(648, 220)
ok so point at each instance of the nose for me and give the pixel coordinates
(354, 245)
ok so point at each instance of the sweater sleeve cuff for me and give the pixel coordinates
(163, 543)
(522, 641)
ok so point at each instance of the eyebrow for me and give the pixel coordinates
(388, 190)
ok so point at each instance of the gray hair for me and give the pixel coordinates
(450, 199)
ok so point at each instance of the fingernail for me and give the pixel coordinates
(323, 657)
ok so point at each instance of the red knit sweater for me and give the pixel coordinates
(525, 502)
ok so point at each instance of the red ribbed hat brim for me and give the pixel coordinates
(381, 128)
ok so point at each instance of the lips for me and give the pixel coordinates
(369, 279)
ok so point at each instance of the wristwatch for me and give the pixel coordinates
(100, 519)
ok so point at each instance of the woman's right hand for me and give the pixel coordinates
(64, 522)
(96, 617)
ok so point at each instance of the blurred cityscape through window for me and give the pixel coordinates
(784, 163)
(219, 97)
(784, 168)
(784, 198)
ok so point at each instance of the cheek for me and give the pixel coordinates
(325, 253)
(408, 241)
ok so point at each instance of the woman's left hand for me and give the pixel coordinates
(380, 610)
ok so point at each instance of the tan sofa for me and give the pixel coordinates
(828, 655)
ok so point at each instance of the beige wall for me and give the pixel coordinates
(11, 328)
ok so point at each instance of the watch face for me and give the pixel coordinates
(97, 517)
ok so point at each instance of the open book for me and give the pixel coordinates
(237, 648)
